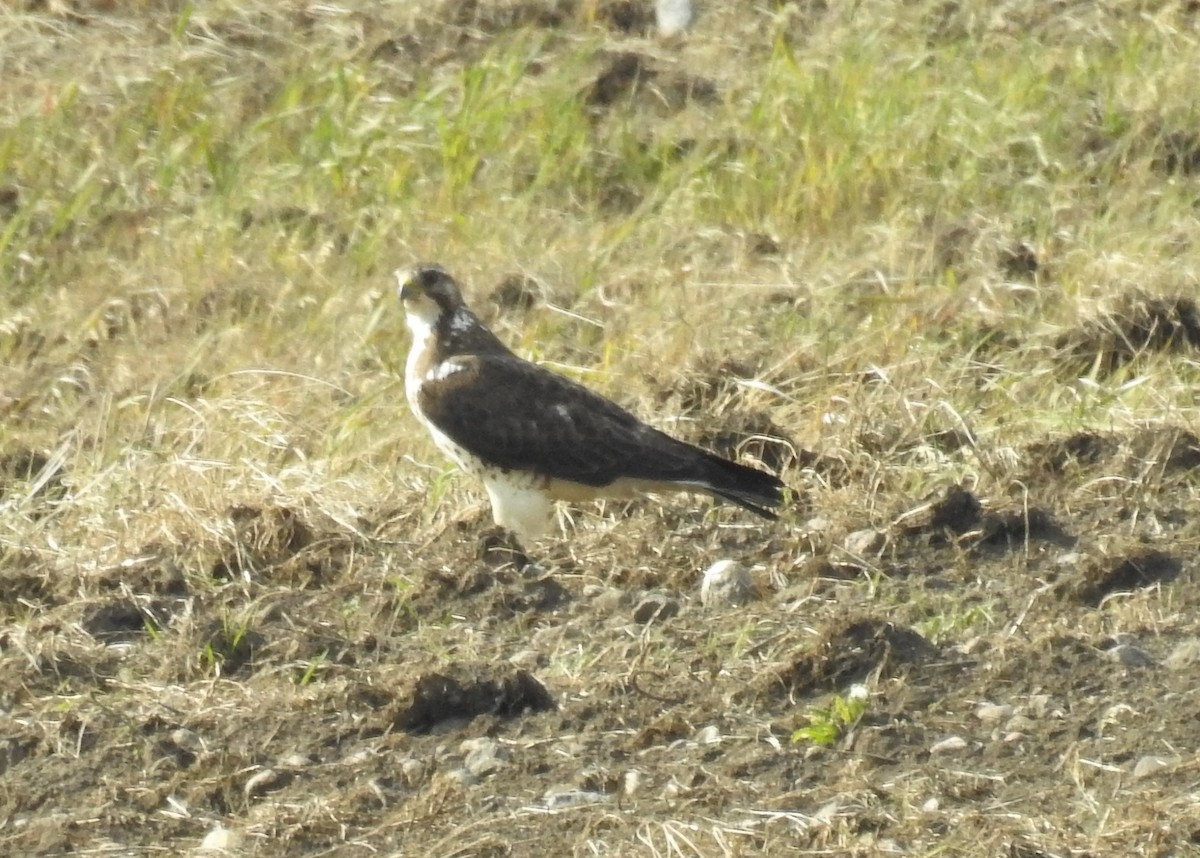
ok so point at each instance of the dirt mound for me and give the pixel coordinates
(849, 653)
(1139, 325)
(440, 697)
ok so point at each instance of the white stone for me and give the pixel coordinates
(948, 745)
(726, 583)
(990, 713)
(219, 840)
(674, 17)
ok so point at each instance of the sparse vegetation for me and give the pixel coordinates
(827, 724)
(934, 261)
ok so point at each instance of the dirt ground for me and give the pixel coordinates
(1017, 648)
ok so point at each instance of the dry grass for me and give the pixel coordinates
(934, 244)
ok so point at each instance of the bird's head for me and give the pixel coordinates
(428, 293)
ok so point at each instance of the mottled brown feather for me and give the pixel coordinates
(518, 416)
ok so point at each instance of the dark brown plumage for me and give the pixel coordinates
(498, 412)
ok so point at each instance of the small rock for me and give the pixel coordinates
(726, 583)
(484, 756)
(358, 758)
(218, 840)
(931, 805)
(865, 543)
(413, 772)
(1020, 724)
(188, 740)
(818, 524)
(674, 789)
(632, 781)
(1152, 765)
(948, 745)
(1039, 705)
(265, 781)
(709, 735)
(1013, 737)
(655, 607)
(674, 17)
(609, 600)
(1130, 656)
(991, 713)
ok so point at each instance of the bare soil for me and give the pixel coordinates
(285, 682)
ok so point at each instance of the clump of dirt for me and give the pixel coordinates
(957, 512)
(960, 517)
(124, 620)
(1170, 448)
(629, 75)
(10, 200)
(1012, 528)
(517, 292)
(1139, 325)
(1056, 456)
(498, 16)
(623, 74)
(847, 653)
(460, 694)
(1133, 572)
(1019, 261)
(625, 16)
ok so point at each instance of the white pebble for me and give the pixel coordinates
(1152, 765)
(219, 840)
(726, 583)
(990, 713)
(948, 745)
(864, 543)
(674, 17)
(260, 782)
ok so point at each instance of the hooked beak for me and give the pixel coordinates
(406, 278)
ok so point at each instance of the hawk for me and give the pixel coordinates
(535, 437)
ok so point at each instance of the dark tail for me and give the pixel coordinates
(747, 487)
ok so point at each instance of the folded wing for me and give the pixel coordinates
(516, 415)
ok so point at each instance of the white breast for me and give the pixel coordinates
(424, 337)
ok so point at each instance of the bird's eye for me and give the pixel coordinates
(430, 277)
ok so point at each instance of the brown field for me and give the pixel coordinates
(935, 263)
